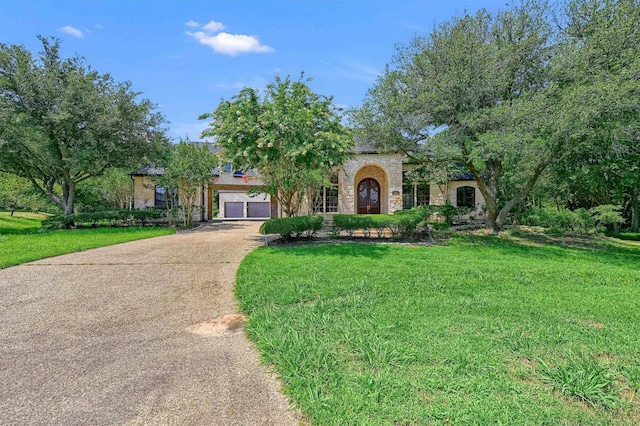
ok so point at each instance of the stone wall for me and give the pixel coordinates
(384, 168)
(144, 193)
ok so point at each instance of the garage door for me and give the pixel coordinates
(261, 210)
(234, 209)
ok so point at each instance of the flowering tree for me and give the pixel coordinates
(292, 136)
(189, 167)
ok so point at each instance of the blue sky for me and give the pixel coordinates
(186, 56)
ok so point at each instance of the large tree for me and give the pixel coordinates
(62, 122)
(460, 94)
(291, 135)
(600, 62)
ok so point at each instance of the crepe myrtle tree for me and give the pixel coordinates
(292, 136)
(189, 168)
(62, 122)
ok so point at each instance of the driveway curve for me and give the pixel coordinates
(103, 337)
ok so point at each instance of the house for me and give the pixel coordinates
(370, 183)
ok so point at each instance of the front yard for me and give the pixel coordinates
(21, 238)
(473, 330)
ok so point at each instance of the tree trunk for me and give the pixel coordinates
(635, 211)
(14, 206)
(68, 197)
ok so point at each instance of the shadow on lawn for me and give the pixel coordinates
(336, 249)
(534, 244)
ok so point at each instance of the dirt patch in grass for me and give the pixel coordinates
(221, 326)
(592, 324)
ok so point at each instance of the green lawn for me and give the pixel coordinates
(20, 222)
(476, 330)
(21, 241)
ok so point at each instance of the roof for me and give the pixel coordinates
(152, 170)
(363, 146)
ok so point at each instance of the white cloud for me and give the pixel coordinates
(68, 29)
(213, 27)
(225, 43)
(231, 44)
(99, 26)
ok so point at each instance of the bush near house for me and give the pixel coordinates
(580, 220)
(103, 218)
(399, 226)
(292, 227)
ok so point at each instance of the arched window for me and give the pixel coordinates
(466, 196)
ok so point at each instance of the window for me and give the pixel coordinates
(414, 194)
(422, 194)
(161, 201)
(162, 197)
(326, 200)
(466, 196)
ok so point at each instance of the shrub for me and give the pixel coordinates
(401, 225)
(352, 222)
(579, 220)
(288, 227)
(102, 218)
(606, 215)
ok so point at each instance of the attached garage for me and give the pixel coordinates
(234, 209)
(258, 209)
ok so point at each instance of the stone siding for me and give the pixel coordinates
(384, 168)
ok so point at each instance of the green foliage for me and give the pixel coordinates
(20, 223)
(584, 377)
(629, 236)
(292, 227)
(461, 96)
(17, 249)
(112, 190)
(401, 225)
(63, 123)
(579, 220)
(292, 136)
(103, 218)
(607, 214)
(17, 193)
(510, 94)
(449, 333)
(189, 167)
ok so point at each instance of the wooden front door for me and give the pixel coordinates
(368, 196)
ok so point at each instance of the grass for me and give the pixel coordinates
(20, 222)
(21, 241)
(630, 236)
(477, 330)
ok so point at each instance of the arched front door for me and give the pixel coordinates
(368, 196)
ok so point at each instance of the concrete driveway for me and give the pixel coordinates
(102, 337)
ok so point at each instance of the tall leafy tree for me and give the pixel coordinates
(61, 122)
(291, 135)
(18, 193)
(599, 65)
(462, 93)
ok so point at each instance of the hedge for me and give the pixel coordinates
(292, 227)
(103, 218)
(402, 225)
